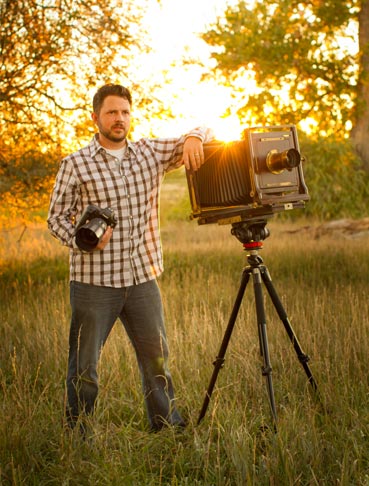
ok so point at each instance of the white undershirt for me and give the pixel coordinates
(117, 153)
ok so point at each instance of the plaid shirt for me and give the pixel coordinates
(131, 188)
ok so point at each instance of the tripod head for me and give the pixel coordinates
(251, 233)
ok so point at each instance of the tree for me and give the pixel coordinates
(52, 53)
(302, 58)
(47, 45)
(360, 131)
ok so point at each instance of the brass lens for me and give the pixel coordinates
(277, 162)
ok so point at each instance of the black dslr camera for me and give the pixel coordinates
(92, 226)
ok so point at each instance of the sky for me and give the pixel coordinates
(174, 26)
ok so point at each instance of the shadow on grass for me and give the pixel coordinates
(36, 271)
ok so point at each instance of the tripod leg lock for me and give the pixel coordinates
(303, 358)
(219, 362)
(266, 370)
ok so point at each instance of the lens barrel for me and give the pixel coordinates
(89, 235)
(277, 162)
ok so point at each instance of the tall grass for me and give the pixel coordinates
(323, 284)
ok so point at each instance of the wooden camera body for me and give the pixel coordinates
(248, 179)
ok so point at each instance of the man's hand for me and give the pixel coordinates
(193, 153)
(105, 238)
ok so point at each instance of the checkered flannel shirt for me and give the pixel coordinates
(131, 188)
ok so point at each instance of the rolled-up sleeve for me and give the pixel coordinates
(170, 150)
(203, 133)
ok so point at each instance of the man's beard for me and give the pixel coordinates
(109, 134)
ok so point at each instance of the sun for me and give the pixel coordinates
(227, 129)
(207, 105)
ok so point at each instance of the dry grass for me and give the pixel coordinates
(323, 284)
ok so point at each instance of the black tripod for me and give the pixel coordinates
(252, 234)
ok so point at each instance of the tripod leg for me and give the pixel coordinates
(264, 349)
(219, 361)
(302, 357)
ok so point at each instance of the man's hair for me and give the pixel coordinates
(110, 90)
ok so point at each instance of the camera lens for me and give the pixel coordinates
(279, 161)
(89, 235)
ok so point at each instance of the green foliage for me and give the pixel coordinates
(174, 200)
(26, 176)
(34, 272)
(295, 51)
(337, 184)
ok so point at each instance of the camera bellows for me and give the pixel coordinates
(222, 180)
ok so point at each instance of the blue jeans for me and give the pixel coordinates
(94, 312)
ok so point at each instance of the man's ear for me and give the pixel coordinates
(94, 117)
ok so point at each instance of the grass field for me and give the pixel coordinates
(323, 284)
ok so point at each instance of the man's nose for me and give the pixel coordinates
(119, 116)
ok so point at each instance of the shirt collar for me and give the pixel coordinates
(95, 146)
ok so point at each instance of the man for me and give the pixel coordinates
(117, 279)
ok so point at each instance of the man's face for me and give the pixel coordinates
(113, 121)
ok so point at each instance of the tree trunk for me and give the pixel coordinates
(360, 131)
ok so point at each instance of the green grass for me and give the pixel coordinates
(323, 284)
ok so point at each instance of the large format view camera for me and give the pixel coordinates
(249, 179)
(244, 183)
